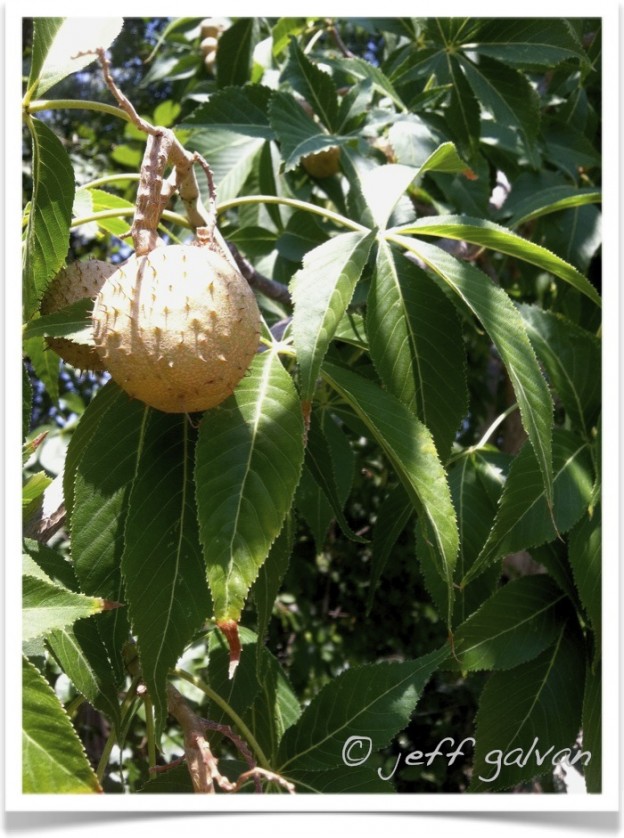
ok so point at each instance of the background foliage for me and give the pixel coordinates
(449, 485)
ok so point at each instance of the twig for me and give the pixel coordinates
(268, 287)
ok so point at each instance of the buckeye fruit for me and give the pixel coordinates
(75, 282)
(177, 328)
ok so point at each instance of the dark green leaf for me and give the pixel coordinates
(271, 575)
(45, 364)
(572, 359)
(82, 656)
(504, 326)
(344, 780)
(462, 114)
(238, 692)
(392, 518)
(525, 42)
(72, 322)
(249, 458)
(552, 199)
(44, 30)
(47, 236)
(524, 519)
(374, 701)
(585, 555)
(241, 110)
(231, 158)
(316, 86)
(298, 133)
(513, 626)
(51, 564)
(528, 716)
(27, 395)
(321, 292)
(53, 758)
(236, 46)
(416, 344)
(410, 449)
(164, 576)
(592, 728)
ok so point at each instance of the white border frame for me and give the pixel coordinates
(608, 800)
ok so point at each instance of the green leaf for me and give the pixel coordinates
(585, 556)
(176, 780)
(570, 149)
(83, 433)
(27, 397)
(575, 234)
(105, 465)
(53, 758)
(491, 235)
(319, 461)
(513, 626)
(316, 86)
(476, 482)
(321, 292)
(72, 322)
(82, 656)
(525, 42)
(572, 359)
(46, 607)
(32, 493)
(236, 46)
(416, 344)
(592, 729)
(75, 35)
(505, 327)
(506, 94)
(166, 113)
(270, 577)
(359, 69)
(373, 701)
(553, 199)
(392, 518)
(382, 187)
(238, 693)
(444, 159)
(275, 707)
(102, 200)
(162, 565)
(44, 31)
(46, 365)
(241, 110)
(528, 716)
(462, 115)
(249, 457)
(410, 449)
(298, 133)
(524, 519)
(283, 30)
(46, 563)
(344, 780)
(231, 158)
(47, 235)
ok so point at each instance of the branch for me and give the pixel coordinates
(268, 287)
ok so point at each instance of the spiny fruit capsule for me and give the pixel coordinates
(177, 328)
(75, 282)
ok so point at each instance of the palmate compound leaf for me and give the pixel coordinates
(529, 716)
(416, 344)
(249, 457)
(524, 519)
(500, 319)
(53, 758)
(371, 703)
(409, 447)
(321, 292)
(164, 576)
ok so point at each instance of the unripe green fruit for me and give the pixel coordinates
(323, 163)
(177, 328)
(73, 283)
